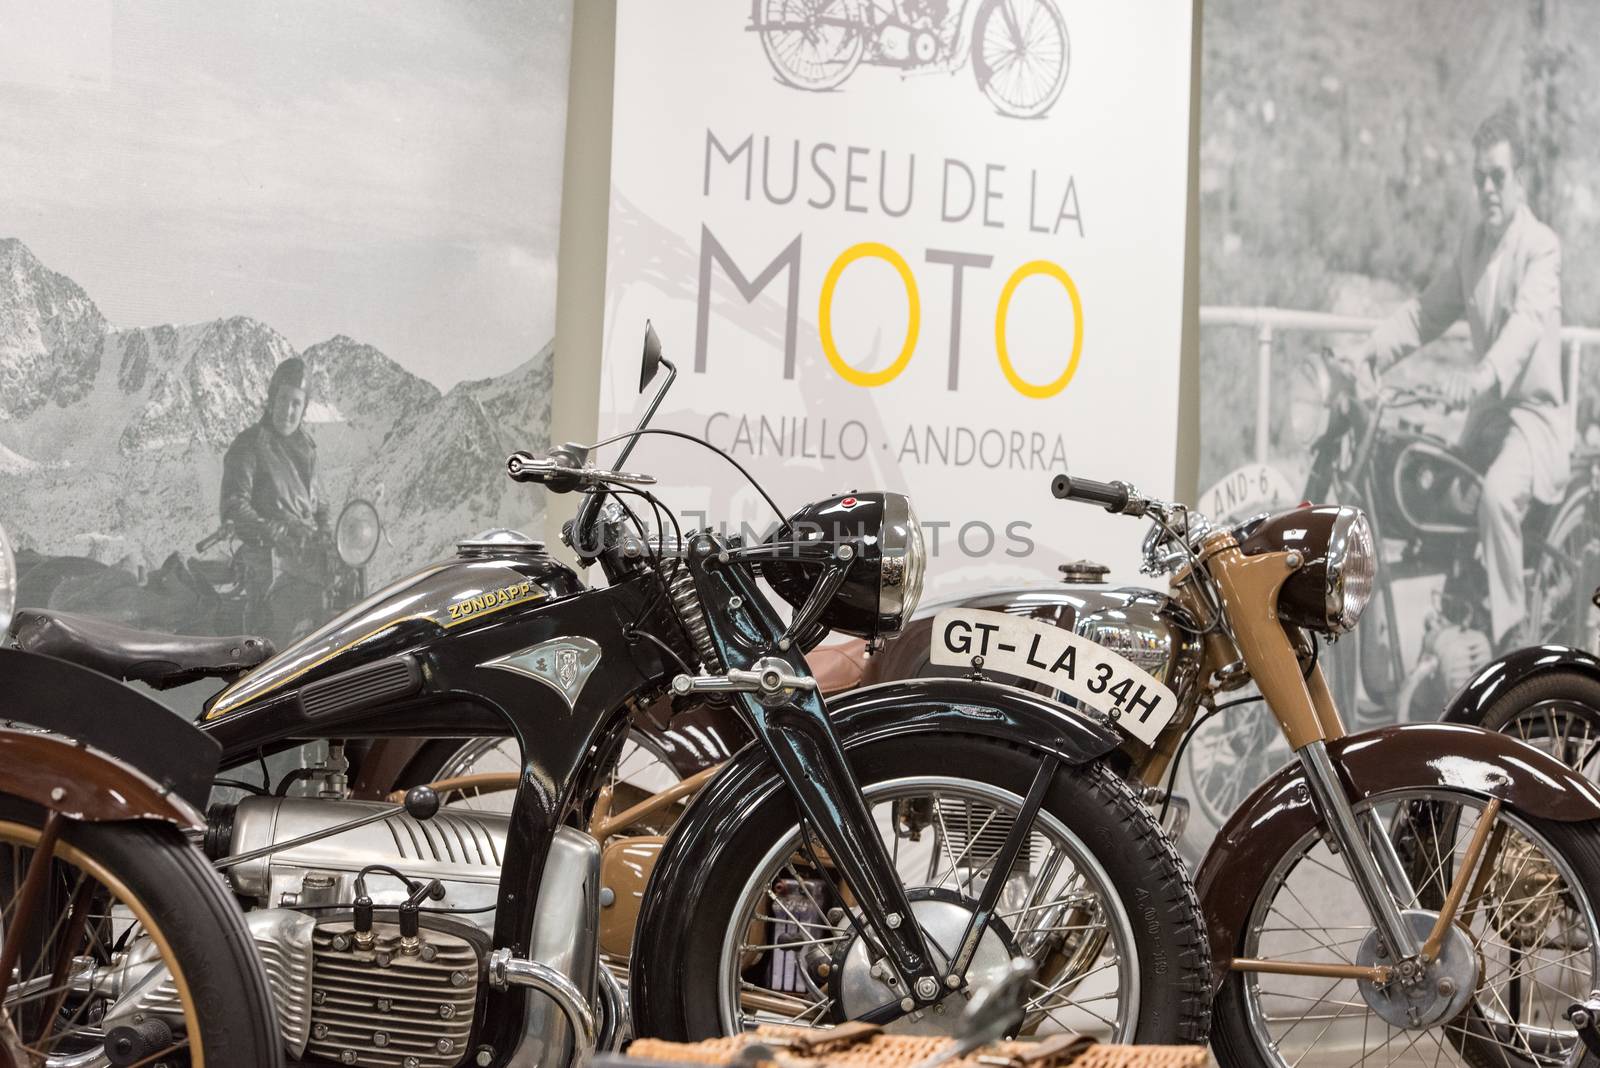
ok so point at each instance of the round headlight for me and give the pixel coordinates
(8, 583)
(884, 563)
(1352, 567)
(1337, 563)
(1310, 392)
(905, 559)
(356, 533)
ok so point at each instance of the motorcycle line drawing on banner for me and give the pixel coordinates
(1019, 49)
(207, 594)
(112, 924)
(883, 856)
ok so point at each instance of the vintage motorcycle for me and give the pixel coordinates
(881, 856)
(203, 594)
(1420, 490)
(118, 943)
(1421, 886)
(1020, 50)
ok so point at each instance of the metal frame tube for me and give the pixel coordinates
(1336, 812)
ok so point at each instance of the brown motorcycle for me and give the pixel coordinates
(119, 945)
(1420, 888)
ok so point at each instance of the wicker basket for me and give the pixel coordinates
(864, 1046)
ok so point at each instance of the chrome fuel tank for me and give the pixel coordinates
(487, 581)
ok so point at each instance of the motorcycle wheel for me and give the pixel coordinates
(1528, 946)
(1558, 712)
(816, 57)
(1559, 605)
(756, 934)
(138, 891)
(1020, 60)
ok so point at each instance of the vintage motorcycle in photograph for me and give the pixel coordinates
(1019, 49)
(883, 855)
(208, 592)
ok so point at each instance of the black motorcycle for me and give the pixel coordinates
(881, 856)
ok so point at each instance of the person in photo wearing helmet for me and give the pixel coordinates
(269, 490)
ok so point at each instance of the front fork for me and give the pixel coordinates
(811, 762)
(1379, 873)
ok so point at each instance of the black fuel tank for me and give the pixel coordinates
(488, 579)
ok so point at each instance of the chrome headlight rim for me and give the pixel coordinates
(1315, 372)
(902, 563)
(1352, 567)
(353, 512)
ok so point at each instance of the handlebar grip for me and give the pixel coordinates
(522, 467)
(1112, 496)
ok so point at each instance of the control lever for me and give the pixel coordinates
(421, 804)
(769, 678)
(563, 478)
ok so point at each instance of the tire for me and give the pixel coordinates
(1551, 609)
(1467, 1038)
(677, 969)
(190, 907)
(840, 58)
(1030, 102)
(1568, 701)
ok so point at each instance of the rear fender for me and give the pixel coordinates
(1410, 755)
(1513, 669)
(112, 753)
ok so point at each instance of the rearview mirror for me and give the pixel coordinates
(652, 356)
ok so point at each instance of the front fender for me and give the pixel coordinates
(1513, 669)
(1409, 755)
(860, 717)
(114, 753)
(962, 706)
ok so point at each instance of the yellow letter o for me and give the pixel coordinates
(1021, 385)
(825, 314)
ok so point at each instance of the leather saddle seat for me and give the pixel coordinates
(151, 657)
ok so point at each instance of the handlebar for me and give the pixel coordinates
(563, 477)
(1116, 497)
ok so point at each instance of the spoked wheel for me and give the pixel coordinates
(812, 44)
(1559, 713)
(119, 945)
(1560, 605)
(1097, 898)
(1020, 55)
(1229, 757)
(1522, 949)
(642, 768)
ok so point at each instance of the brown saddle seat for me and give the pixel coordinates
(838, 668)
(151, 657)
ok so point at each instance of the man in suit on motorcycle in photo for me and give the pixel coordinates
(269, 491)
(1505, 280)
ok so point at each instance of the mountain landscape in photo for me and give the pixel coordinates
(111, 439)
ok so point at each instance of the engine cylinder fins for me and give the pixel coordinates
(381, 1008)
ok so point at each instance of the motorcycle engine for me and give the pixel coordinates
(377, 1000)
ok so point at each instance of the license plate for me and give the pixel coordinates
(1010, 645)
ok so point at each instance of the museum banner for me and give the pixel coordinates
(934, 247)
